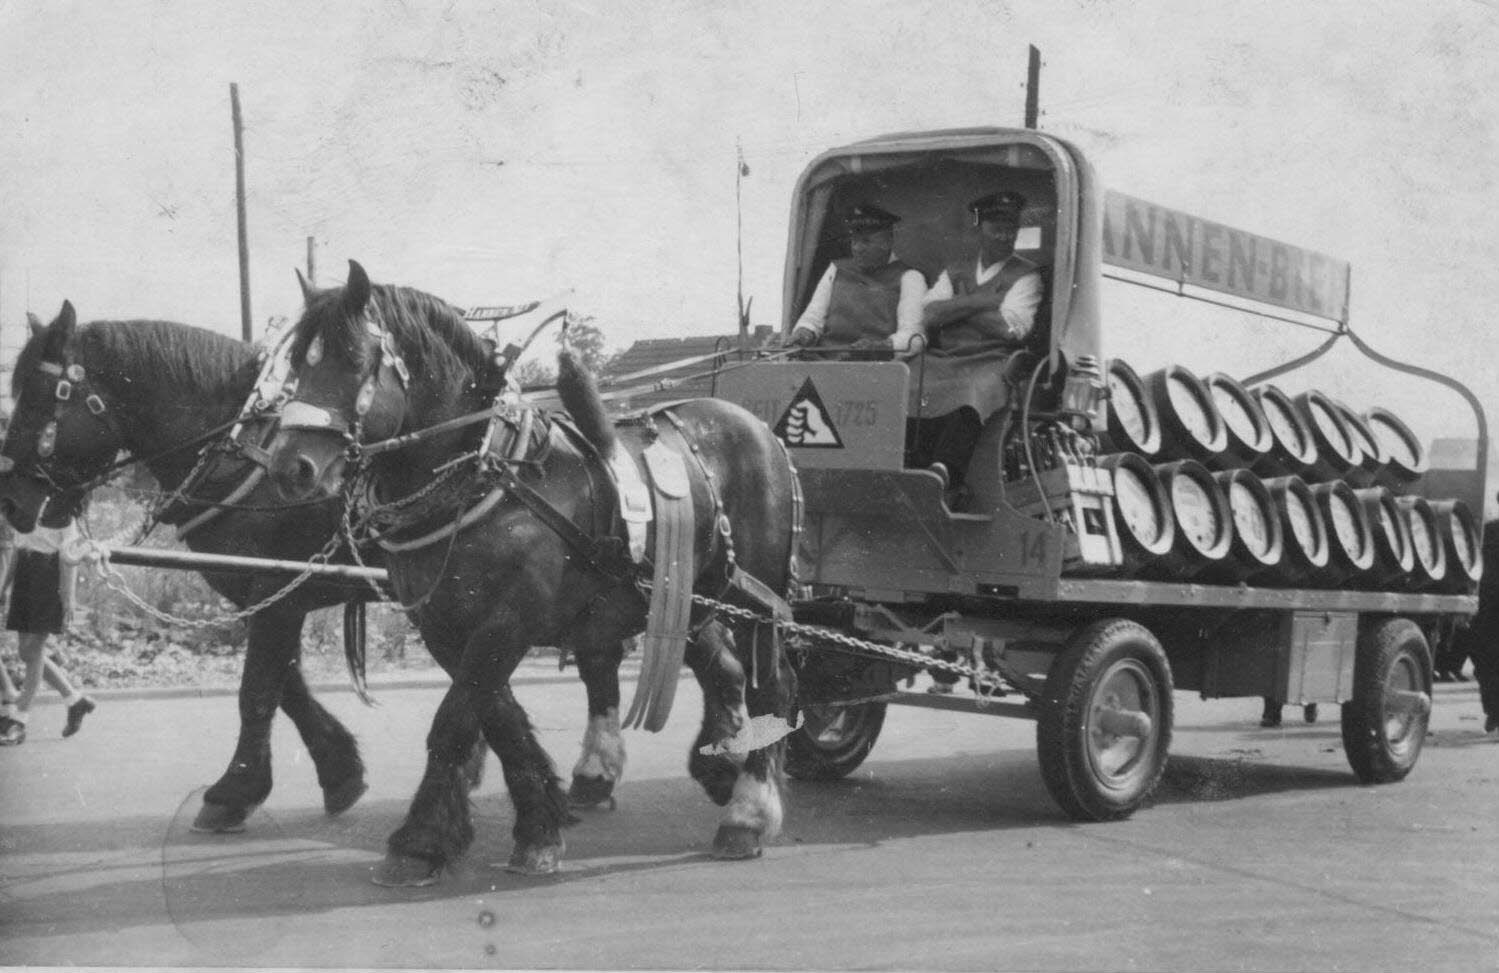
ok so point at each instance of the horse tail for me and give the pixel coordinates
(580, 397)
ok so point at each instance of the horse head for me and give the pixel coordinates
(61, 434)
(349, 355)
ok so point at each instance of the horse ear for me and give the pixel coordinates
(60, 332)
(36, 325)
(357, 290)
(307, 288)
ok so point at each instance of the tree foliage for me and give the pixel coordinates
(586, 340)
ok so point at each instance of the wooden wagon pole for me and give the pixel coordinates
(156, 557)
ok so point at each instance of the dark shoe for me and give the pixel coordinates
(1309, 712)
(1271, 716)
(957, 498)
(76, 713)
(12, 733)
(1491, 724)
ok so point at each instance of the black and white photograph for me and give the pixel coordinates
(557, 485)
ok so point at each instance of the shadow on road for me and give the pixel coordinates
(1191, 780)
(140, 871)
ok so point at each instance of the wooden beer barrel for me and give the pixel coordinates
(1259, 539)
(1337, 452)
(1407, 460)
(1375, 453)
(1303, 529)
(1393, 553)
(1426, 538)
(1133, 424)
(1350, 540)
(1463, 538)
(1142, 511)
(1293, 450)
(1244, 422)
(1204, 524)
(1190, 423)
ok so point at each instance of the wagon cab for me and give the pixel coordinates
(1119, 536)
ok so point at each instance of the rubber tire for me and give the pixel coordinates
(1386, 649)
(1094, 655)
(812, 755)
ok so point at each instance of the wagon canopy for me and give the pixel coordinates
(928, 179)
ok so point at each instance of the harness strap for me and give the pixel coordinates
(663, 645)
(250, 482)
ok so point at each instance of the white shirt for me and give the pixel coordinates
(1018, 307)
(907, 309)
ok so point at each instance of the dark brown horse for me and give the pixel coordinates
(83, 394)
(542, 560)
(158, 391)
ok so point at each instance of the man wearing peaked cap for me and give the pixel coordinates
(981, 309)
(1005, 207)
(869, 299)
(993, 296)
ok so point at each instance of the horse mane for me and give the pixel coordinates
(182, 357)
(580, 397)
(431, 334)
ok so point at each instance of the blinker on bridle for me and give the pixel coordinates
(70, 379)
(297, 414)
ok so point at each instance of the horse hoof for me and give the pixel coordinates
(406, 872)
(220, 819)
(736, 842)
(590, 792)
(339, 799)
(535, 859)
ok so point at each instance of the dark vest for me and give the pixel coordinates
(985, 327)
(863, 305)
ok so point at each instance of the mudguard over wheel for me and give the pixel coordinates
(1384, 724)
(833, 740)
(1104, 726)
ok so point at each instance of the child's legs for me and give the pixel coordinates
(33, 646)
(57, 678)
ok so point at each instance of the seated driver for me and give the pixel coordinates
(980, 310)
(993, 296)
(869, 299)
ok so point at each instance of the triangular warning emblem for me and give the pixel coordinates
(806, 422)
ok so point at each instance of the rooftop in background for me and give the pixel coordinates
(691, 380)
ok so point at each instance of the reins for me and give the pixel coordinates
(546, 396)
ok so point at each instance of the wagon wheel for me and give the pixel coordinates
(1104, 725)
(834, 740)
(1384, 724)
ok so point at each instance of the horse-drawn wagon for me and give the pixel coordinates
(1121, 538)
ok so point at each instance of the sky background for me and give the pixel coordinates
(500, 152)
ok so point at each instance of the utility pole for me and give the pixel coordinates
(1033, 89)
(246, 328)
(312, 261)
(741, 169)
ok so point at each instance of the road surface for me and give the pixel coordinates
(943, 851)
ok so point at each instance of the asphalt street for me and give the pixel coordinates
(1259, 852)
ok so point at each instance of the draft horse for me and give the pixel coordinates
(158, 391)
(539, 560)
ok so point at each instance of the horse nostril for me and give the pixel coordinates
(297, 478)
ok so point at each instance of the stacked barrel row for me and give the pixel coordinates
(1216, 482)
